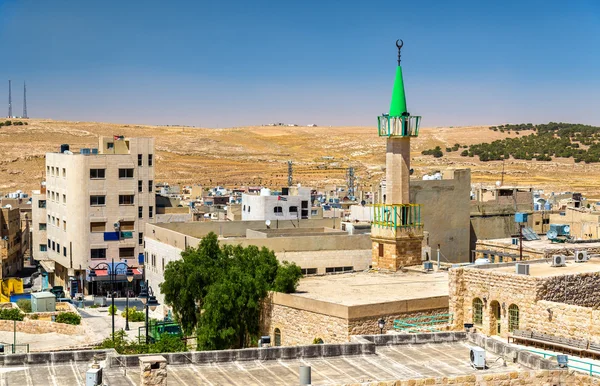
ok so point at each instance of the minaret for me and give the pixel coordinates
(397, 231)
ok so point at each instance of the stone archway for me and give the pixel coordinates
(495, 314)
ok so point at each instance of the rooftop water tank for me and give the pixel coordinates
(265, 192)
(482, 261)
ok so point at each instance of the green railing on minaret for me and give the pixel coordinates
(397, 216)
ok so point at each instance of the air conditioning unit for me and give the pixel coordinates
(581, 256)
(559, 261)
(477, 356)
(522, 269)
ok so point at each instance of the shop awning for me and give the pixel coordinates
(102, 275)
(47, 265)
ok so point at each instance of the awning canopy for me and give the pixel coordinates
(47, 265)
(102, 275)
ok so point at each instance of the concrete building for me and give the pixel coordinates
(397, 231)
(10, 242)
(559, 301)
(508, 249)
(97, 203)
(292, 204)
(24, 206)
(314, 245)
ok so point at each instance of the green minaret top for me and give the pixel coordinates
(398, 105)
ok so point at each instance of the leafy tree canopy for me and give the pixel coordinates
(217, 291)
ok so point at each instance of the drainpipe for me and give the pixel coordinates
(438, 257)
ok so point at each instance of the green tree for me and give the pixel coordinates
(218, 291)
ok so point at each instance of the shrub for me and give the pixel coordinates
(24, 305)
(134, 314)
(34, 316)
(112, 310)
(68, 318)
(11, 314)
(318, 341)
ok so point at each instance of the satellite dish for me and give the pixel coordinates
(363, 203)
(552, 234)
(268, 223)
(566, 229)
(498, 183)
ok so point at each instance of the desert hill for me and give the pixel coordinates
(259, 155)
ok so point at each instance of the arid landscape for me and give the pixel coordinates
(259, 155)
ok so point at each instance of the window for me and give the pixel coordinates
(125, 173)
(99, 253)
(477, 311)
(42, 226)
(126, 252)
(248, 208)
(314, 212)
(244, 209)
(64, 172)
(97, 226)
(140, 186)
(277, 337)
(150, 160)
(145, 257)
(277, 209)
(43, 248)
(65, 251)
(125, 199)
(150, 186)
(309, 271)
(64, 198)
(58, 248)
(545, 221)
(64, 225)
(150, 211)
(52, 168)
(513, 317)
(338, 269)
(57, 222)
(96, 174)
(140, 211)
(293, 209)
(97, 200)
(163, 264)
(47, 169)
(49, 243)
(42, 204)
(140, 238)
(153, 260)
(110, 145)
(127, 225)
(140, 159)
(380, 250)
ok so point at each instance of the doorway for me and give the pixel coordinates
(495, 318)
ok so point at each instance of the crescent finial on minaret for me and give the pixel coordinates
(399, 45)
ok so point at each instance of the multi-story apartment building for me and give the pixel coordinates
(97, 203)
(10, 241)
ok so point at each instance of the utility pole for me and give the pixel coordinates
(9, 100)
(290, 172)
(24, 101)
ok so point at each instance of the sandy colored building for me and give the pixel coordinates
(11, 252)
(560, 301)
(508, 249)
(97, 203)
(314, 245)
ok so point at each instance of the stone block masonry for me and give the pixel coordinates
(393, 254)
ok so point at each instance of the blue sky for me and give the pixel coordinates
(234, 63)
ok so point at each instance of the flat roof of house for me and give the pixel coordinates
(545, 269)
(389, 363)
(542, 245)
(360, 288)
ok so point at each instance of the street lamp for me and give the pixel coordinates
(112, 275)
(381, 324)
(129, 280)
(150, 303)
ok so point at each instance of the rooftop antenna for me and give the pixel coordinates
(399, 48)
(9, 101)
(25, 100)
(350, 181)
(290, 171)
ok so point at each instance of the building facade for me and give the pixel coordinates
(291, 204)
(97, 203)
(10, 241)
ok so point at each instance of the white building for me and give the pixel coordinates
(292, 204)
(96, 205)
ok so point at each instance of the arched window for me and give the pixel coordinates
(277, 339)
(513, 317)
(277, 209)
(477, 311)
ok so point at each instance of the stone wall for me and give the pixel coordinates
(580, 290)
(534, 378)
(397, 253)
(564, 320)
(300, 327)
(369, 326)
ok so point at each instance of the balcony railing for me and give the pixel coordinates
(397, 216)
(404, 126)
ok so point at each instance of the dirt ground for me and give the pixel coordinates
(259, 155)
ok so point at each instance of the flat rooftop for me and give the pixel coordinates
(389, 363)
(352, 289)
(542, 245)
(545, 269)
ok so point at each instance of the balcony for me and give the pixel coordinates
(402, 126)
(397, 216)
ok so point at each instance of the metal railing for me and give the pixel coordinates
(587, 367)
(429, 323)
(403, 126)
(397, 216)
(10, 348)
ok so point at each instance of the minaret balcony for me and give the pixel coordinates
(397, 216)
(402, 126)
